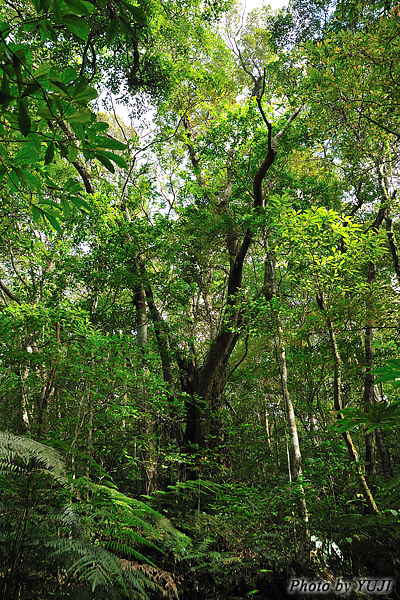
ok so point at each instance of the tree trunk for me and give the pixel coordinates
(205, 385)
(384, 454)
(269, 290)
(337, 398)
(150, 452)
(382, 448)
(369, 395)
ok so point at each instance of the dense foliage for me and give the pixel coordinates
(199, 323)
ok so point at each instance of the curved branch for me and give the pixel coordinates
(14, 266)
(9, 293)
(77, 164)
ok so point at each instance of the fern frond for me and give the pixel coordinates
(100, 568)
(68, 517)
(119, 547)
(13, 446)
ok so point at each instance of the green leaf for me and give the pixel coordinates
(81, 84)
(30, 89)
(389, 372)
(90, 93)
(79, 203)
(41, 71)
(80, 116)
(34, 182)
(53, 221)
(121, 162)
(50, 203)
(5, 84)
(66, 207)
(68, 75)
(100, 126)
(124, 21)
(14, 180)
(4, 29)
(36, 213)
(23, 54)
(57, 14)
(26, 156)
(111, 143)
(47, 31)
(105, 161)
(59, 86)
(45, 113)
(112, 30)
(137, 13)
(79, 7)
(30, 26)
(5, 99)
(72, 185)
(63, 149)
(72, 154)
(36, 142)
(24, 121)
(76, 25)
(48, 157)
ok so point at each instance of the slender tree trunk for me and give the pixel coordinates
(387, 201)
(150, 454)
(89, 437)
(139, 301)
(384, 454)
(337, 380)
(369, 395)
(277, 453)
(267, 428)
(296, 468)
(269, 290)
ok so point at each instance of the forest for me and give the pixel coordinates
(199, 299)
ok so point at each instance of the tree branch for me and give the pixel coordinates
(9, 293)
(77, 164)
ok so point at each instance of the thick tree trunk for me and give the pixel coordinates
(204, 387)
(207, 383)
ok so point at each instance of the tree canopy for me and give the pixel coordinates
(199, 374)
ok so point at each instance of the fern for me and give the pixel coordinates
(97, 539)
(16, 446)
(101, 568)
